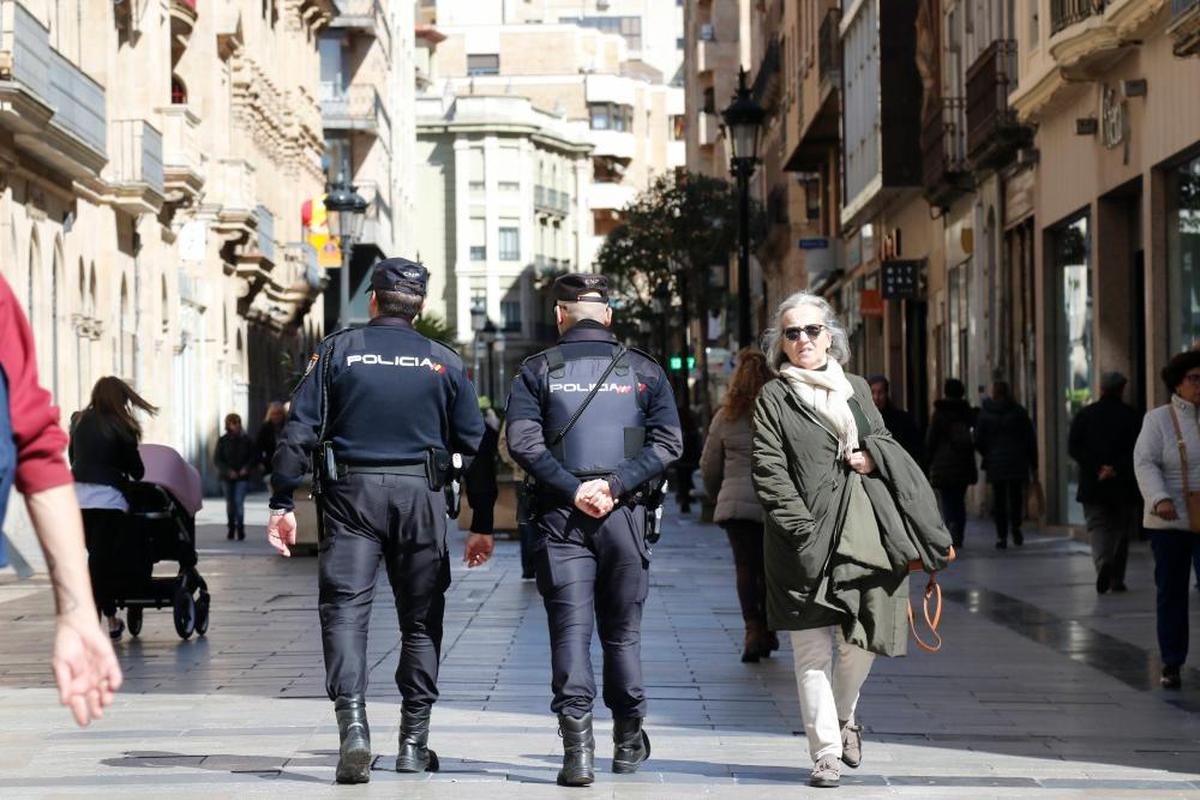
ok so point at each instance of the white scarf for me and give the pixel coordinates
(827, 392)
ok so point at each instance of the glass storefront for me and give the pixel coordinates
(1183, 253)
(1075, 352)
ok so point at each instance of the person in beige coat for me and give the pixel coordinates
(725, 467)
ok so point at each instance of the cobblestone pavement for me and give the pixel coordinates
(1043, 690)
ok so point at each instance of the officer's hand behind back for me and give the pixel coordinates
(594, 498)
(281, 532)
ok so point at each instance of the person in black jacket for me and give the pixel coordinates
(1004, 436)
(951, 449)
(235, 456)
(479, 479)
(104, 458)
(1101, 441)
(900, 423)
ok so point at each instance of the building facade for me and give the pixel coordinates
(596, 84)
(151, 157)
(1111, 89)
(1004, 190)
(505, 191)
(369, 85)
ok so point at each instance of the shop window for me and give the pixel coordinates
(1183, 253)
(1075, 353)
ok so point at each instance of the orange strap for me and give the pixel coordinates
(932, 590)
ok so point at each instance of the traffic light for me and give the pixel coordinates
(675, 363)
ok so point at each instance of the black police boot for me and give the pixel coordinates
(579, 751)
(415, 755)
(354, 755)
(631, 745)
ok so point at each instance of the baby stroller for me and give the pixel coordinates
(162, 516)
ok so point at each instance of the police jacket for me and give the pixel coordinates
(389, 395)
(635, 427)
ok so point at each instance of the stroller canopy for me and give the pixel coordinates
(166, 468)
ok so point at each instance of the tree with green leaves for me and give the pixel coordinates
(659, 260)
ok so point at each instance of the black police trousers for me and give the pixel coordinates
(594, 569)
(396, 519)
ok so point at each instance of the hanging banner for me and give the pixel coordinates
(316, 233)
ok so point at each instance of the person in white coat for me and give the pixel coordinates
(1166, 461)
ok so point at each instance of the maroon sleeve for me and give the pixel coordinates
(39, 439)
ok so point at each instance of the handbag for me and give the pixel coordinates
(1192, 499)
(933, 591)
(1035, 502)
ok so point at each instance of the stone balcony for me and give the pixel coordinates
(183, 160)
(356, 108)
(366, 17)
(233, 197)
(51, 107)
(1089, 36)
(135, 167)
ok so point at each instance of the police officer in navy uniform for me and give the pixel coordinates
(382, 407)
(592, 557)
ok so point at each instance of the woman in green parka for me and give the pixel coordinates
(846, 509)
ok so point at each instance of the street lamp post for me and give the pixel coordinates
(346, 211)
(743, 121)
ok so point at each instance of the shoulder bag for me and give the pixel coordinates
(1192, 499)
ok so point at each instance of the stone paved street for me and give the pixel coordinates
(1044, 690)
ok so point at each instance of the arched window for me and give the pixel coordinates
(179, 93)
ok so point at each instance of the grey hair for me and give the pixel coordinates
(772, 342)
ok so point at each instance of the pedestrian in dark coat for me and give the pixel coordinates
(269, 433)
(1004, 436)
(900, 423)
(236, 455)
(1101, 441)
(951, 449)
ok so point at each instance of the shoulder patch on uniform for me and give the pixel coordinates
(447, 353)
(643, 353)
(529, 358)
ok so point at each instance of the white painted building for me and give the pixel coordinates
(504, 204)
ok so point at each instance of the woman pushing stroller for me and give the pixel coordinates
(104, 459)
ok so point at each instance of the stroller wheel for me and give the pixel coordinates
(185, 614)
(133, 618)
(202, 604)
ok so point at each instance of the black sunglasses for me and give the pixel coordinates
(811, 331)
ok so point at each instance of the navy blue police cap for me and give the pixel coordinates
(572, 288)
(399, 275)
